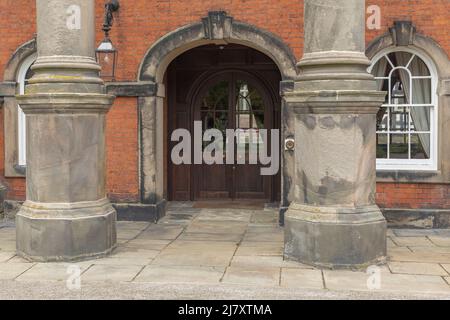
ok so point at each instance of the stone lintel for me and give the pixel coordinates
(7, 89)
(131, 89)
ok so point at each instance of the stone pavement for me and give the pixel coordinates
(228, 250)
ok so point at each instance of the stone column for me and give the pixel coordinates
(66, 215)
(334, 221)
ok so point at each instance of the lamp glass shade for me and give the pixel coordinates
(106, 56)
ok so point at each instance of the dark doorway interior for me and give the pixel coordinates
(224, 87)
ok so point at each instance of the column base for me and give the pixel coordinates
(335, 237)
(65, 232)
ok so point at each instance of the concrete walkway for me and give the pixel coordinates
(212, 253)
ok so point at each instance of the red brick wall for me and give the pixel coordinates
(139, 23)
(122, 151)
(413, 195)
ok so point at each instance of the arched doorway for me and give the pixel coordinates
(223, 87)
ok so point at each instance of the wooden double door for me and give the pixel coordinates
(230, 100)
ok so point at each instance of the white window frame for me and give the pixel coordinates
(21, 119)
(414, 164)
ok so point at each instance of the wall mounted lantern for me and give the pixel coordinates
(106, 53)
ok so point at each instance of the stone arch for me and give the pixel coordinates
(216, 28)
(21, 53)
(11, 124)
(403, 35)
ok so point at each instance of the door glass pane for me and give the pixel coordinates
(249, 111)
(217, 97)
(214, 110)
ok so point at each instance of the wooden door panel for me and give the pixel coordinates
(189, 77)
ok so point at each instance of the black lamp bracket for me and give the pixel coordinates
(110, 7)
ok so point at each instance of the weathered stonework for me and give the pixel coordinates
(333, 220)
(66, 215)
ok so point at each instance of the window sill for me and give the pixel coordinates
(411, 176)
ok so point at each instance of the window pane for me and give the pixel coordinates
(421, 93)
(398, 147)
(400, 58)
(420, 118)
(382, 146)
(399, 118)
(400, 83)
(418, 67)
(382, 118)
(420, 146)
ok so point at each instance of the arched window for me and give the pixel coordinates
(407, 121)
(24, 74)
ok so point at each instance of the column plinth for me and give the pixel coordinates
(334, 221)
(66, 215)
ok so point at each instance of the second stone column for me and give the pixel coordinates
(334, 221)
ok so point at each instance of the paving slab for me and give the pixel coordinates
(111, 273)
(181, 274)
(440, 241)
(9, 271)
(301, 278)
(52, 271)
(264, 236)
(148, 244)
(447, 279)
(8, 245)
(400, 283)
(127, 234)
(390, 243)
(266, 261)
(197, 236)
(6, 255)
(196, 253)
(131, 225)
(252, 276)
(254, 248)
(19, 259)
(434, 249)
(230, 227)
(417, 268)
(421, 232)
(132, 252)
(235, 215)
(393, 250)
(161, 232)
(122, 261)
(264, 217)
(433, 257)
(412, 241)
(446, 267)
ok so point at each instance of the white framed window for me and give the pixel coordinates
(407, 121)
(23, 75)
